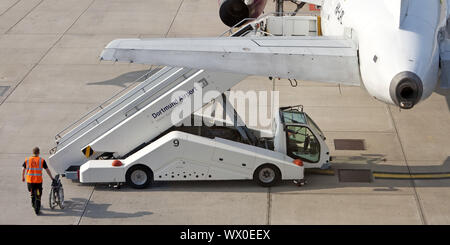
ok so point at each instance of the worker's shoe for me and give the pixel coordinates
(300, 182)
(37, 208)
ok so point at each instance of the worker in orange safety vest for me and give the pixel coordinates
(32, 168)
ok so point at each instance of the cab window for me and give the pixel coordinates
(302, 144)
(314, 126)
(293, 117)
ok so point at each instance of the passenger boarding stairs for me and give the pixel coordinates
(143, 112)
(68, 151)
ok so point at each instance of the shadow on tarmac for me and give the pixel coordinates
(129, 77)
(374, 162)
(445, 93)
(77, 206)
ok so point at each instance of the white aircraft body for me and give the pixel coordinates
(394, 47)
(398, 44)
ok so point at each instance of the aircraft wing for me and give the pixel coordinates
(322, 59)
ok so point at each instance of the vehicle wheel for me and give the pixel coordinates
(139, 177)
(267, 175)
(61, 198)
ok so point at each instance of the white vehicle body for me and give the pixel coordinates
(181, 156)
(192, 158)
(392, 46)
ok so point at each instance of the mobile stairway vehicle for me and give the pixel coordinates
(133, 139)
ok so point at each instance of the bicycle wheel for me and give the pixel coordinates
(61, 197)
(51, 199)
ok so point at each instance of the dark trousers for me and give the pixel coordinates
(34, 186)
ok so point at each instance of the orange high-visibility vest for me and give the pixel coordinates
(34, 169)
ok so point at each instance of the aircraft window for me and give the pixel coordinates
(302, 144)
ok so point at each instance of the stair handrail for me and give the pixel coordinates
(101, 106)
(261, 17)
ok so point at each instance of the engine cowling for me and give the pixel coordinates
(408, 73)
(232, 12)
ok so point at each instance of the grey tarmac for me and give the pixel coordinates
(49, 64)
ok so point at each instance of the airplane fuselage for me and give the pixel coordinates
(398, 44)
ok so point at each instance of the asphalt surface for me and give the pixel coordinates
(50, 76)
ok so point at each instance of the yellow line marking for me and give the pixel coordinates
(386, 175)
(411, 176)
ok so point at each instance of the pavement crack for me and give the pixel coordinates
(10, 7)
(173, 20)
(269, 205)
(413, 184)
(85, 206)
(31, 10)
(45, 54)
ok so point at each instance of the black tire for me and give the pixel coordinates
(60, 195)
(139, 177)
(267, 175)
(51, 199)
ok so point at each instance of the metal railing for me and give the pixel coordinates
(105, 103)
(260, 18)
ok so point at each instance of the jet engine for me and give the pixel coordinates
(234, 11)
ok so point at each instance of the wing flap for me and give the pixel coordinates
(322, 59)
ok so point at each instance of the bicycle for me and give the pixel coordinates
(56, 193)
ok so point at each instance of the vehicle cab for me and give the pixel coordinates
(299, 137)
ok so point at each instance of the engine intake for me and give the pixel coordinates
(406, 89)
(232, 12)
